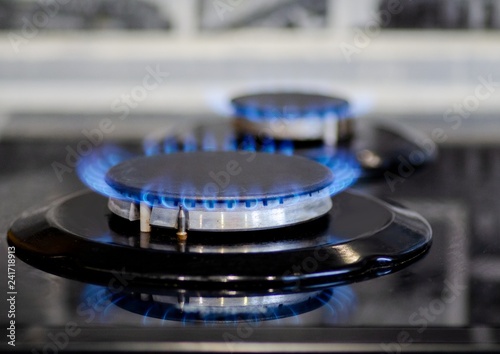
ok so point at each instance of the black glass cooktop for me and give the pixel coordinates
(447, 301)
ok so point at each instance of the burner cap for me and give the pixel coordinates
(219, 176)
(231, 190)
(288, 104)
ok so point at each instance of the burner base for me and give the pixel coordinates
(76, 238)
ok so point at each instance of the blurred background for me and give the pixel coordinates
(67, 65)
(64, 64)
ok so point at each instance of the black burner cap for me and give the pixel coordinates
(218, 176)
(288, 104)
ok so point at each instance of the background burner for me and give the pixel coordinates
(222, 190)
(293, 115)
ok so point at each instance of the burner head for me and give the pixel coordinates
(233, 190)
(291, 115)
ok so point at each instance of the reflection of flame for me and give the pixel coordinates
(338, 305)
(341, 305)
(92, 169)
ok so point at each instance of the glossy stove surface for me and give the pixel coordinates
(447, 301)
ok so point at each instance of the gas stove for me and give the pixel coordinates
(272, 231)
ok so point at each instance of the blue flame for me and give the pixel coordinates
(92, 169)
(189, 144)
(209, 142)
(250, 111)
(254, 110)
(248, 143)
(230, 143)
(343, 164)
(151, 148)
(346, 171)
(170, 146)
(268, 145)
(286, 147)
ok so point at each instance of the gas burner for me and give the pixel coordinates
(359, 238)
(293, 116)
(220, 191)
